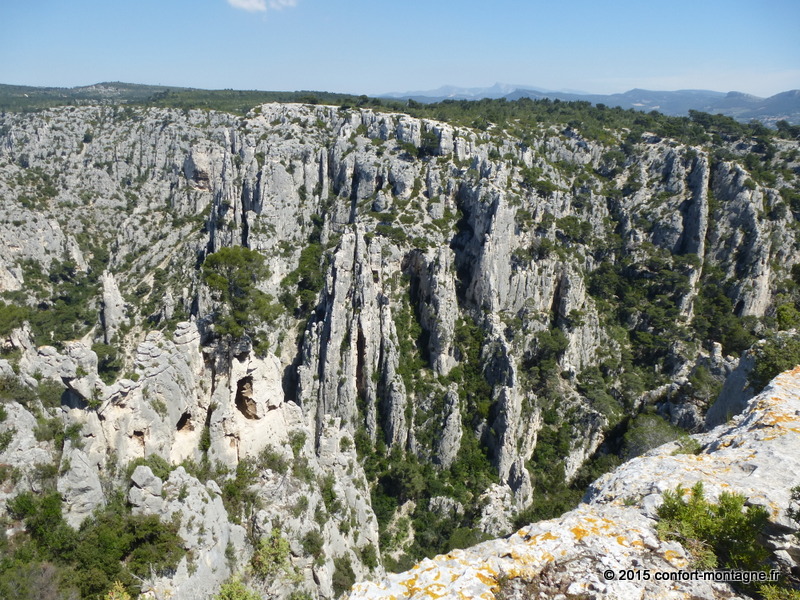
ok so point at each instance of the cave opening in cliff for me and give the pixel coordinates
(185, 423)
(244, 398)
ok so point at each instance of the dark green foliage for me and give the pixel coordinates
(6, 437)
(787, 316)
(404, 477)
(647, 431)
(400, 477)
(113, 545)
(553, 496)
(313, 543)
(369, 556)
(302, 286)
(715, 319)
(533, 179)
(271, 556)
(50, 393)
(704, 387)
(723, 535)
(332, 503)
(237, 496)
(411, 345)
(54, 429)
(777, 354)
(343, 575)
(13, 390)
(269, 458)
(473, 388)
(541, 364)
(429, 144)
(647, 295)
(11, 317)
(574, 229)
(593, 385)
(109, 363)
(158, 465)
(232, 273)
(66, 299)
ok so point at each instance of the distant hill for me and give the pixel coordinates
(742, 107)
(23, 97)
(17, 98)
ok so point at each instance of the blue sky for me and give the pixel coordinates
(371, 46)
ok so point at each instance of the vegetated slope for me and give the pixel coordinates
(742, 107)
(370, 337)
(731, 502)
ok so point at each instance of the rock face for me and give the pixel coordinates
(757, 455)
(439, 300)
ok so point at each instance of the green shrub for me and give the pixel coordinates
(343, 575)
(302, 286)
(297, 440)
(775, 355)
(313, 543)
(723, 535)
(111, 546)
(109, 363)
(6, 438)
(369, 556)
(158, 465)
(269, 458)
(332, 503)
(648, 431)
(232, 274)
(53, 429)
(11, 317)
(271, 557)
(237, 496)
(234, 589)
(50, 393)
(13, 390)
(300, 506)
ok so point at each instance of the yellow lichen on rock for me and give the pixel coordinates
(579, 533)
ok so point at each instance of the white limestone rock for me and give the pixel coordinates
(113, 315)
(79, 485)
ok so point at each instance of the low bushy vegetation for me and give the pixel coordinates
(232, 273)
(112, 550)
(721, 535)
(234, 589)
(725, 535)
(778, 353)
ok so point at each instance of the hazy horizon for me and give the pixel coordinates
(361, 47)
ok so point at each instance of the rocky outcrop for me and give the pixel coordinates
(204, 527)
(113, 315)
(614, 531)
(429, 284)
(79, 485)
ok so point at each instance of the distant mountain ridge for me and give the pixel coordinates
(741, 106)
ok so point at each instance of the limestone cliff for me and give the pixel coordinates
(613, 531)
(437, 300)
